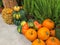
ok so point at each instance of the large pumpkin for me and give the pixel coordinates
(52, 41)
(38, 42)
(43, 33)
(31, 34)
(48, 23)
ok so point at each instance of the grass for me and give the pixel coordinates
(42, 9)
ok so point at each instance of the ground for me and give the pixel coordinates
(10, 36)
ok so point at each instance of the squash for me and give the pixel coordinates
(16, 22)
(30, 23)
(16, 15)
(16, 18)
(22, 13)
(25, 27)
(19, 16)
(16, 8)
(19, 29)
(37, 25)
(23, 22)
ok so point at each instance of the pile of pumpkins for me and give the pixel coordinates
(39, 34)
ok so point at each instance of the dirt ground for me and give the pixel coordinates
(10, 36)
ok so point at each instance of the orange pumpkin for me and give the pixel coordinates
(52, 41)
(31, 34)
(48, 23)
(25, 27)
(43, 33)
(38, 42)
(52, 32)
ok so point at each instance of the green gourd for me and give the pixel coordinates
(19, 29)
(22, 13)
(16, 15)
(16, 22)
(30, 23)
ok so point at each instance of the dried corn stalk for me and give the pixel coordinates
(9, 3)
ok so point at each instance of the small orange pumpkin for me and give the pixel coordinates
(38, 42)
(48, 23)
(43, 33)
(31, 34)
(52, 41)
(37, 24)
(25, 27)
(52, 32)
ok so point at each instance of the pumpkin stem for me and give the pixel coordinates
(50, 20)
(52, 38)
(31, 32)
(47, 33)
(39, 40)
